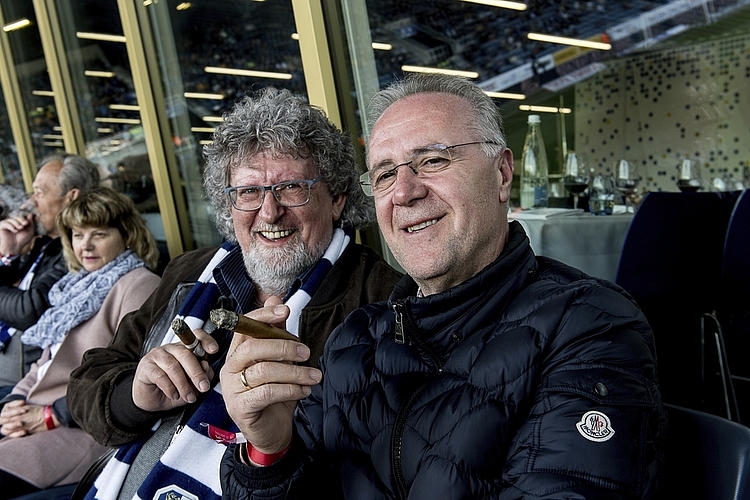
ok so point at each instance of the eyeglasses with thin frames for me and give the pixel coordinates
(288, 194)
(425, 162)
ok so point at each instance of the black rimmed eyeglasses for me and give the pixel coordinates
(287, 194)
(424, 162)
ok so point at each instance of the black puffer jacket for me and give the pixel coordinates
(531, 380)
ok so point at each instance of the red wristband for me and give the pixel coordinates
(48, 420)
(264, 459)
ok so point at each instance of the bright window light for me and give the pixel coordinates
(544, 109)
(16, 25)
(454, 72)
(247, 72)
(500, 3)
(506, 95)
(569, 41)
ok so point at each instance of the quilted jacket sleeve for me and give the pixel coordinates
(596, 422)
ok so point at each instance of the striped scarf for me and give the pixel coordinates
(189, 468)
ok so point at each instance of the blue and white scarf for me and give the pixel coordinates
(7, 332)
(76, 297)
(189, 468)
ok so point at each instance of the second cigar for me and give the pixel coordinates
(230, 320)
(188, 338)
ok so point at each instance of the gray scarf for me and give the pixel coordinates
(75, 298)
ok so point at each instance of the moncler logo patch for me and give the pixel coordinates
(595, 426)
(174, 493)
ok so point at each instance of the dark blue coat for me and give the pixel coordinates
(530, 380)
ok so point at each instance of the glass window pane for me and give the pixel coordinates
(12, 192)
(36, 90)
(211, 53)
(600, 101)
(107, 102)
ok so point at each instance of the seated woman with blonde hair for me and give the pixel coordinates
(108, 251)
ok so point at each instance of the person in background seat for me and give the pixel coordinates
(109, 252)
(31, 259)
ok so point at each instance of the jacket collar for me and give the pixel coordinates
(338, 278)
(454, 311)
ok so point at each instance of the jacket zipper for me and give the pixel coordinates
(400, 424)
(398, 308)
(398, 439)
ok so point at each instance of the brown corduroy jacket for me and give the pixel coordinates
(359, 277)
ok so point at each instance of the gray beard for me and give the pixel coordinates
(273, 270)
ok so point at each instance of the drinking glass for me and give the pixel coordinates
(602, 194)
(575, 175)
(626, 180)
(689, 179)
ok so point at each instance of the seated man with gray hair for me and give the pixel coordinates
(31, 258)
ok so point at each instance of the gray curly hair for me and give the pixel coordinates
(285, 124)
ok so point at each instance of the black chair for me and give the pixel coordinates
(671, 265)
(735, 270)
(707, 456)
(733, 312)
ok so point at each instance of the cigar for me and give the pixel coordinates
(188, 338)
(230, 320)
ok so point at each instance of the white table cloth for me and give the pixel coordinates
(592, 243)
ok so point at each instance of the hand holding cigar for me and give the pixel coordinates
(230, 320)
(187, 337)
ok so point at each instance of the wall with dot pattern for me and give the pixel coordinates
(660, 107)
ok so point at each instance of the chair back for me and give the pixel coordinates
(735, 267)
(707, 456)
(671, 265)
(733, 312)
(674, 244)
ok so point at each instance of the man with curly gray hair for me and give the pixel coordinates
(284, 185)
(283, 124)
(281, 128)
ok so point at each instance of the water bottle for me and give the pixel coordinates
(534, 167)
